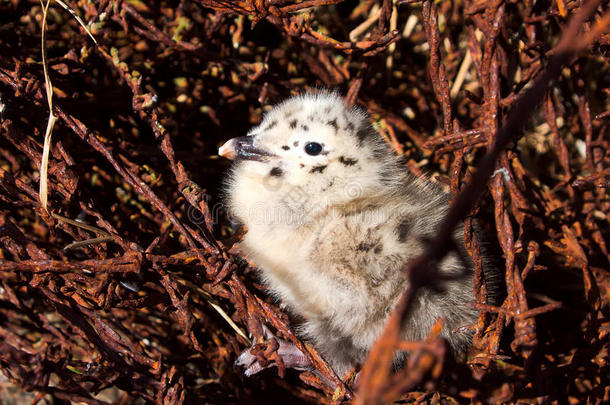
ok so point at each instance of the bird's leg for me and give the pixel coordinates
(283, 353)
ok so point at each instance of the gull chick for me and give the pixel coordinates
(332, 219)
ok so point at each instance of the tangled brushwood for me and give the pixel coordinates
(117, 278)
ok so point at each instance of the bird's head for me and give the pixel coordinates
(309, 152)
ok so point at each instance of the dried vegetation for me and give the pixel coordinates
(148, 304)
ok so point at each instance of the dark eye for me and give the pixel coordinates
(313, 148)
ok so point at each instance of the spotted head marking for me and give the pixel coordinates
(314, 142)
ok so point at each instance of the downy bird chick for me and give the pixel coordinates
(332, 219)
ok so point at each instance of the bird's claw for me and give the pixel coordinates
(276, 352)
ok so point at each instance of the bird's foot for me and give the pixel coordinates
(274, 352)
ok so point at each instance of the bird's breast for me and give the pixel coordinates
(282, 260)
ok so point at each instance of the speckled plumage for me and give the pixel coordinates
(331, 233)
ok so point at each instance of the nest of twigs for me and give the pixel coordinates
(117, 283)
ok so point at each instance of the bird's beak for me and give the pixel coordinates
(242, 148)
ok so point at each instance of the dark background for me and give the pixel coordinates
(133, 153)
